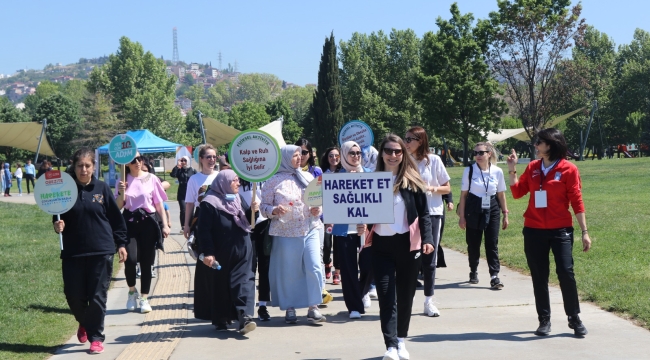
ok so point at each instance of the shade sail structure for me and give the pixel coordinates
(147, 143)
(520, 133)
(217, 133)
(24, 135)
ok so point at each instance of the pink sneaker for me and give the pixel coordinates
(96, 347)
(81, 334)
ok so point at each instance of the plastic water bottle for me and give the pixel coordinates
(287, 215)
(215, 264)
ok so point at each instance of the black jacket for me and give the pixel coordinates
(417, 207)
(183, 175)
(94, 225)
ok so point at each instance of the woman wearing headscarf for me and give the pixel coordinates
(182, 172)
(295, 272)
(6, 179)
(355, 270)
(225, 237)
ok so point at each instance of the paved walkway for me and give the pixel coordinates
(476, 322)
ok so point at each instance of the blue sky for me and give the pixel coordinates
(284, 38)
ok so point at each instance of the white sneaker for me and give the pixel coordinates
(366, 301)
(355, 315)
(391, 354)
(401, 351)
(132, 301)
(144, 306)
(430, 309)
(372, 292)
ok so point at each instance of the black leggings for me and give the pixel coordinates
(142, 249)
(260, 261)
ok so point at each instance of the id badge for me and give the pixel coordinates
(485, 202)
(540, 199)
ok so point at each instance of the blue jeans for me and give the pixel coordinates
(19, 182)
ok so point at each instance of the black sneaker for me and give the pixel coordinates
(222, 326)
(418, 284)
(496, 284)
(578, 327)
(263, 314)
(247, 326)
(544, 326)
(473, 277)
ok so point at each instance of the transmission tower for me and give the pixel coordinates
(175, 55)
(220, 68)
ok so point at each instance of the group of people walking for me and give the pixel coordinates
(291, 248)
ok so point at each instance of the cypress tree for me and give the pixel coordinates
(327, 110)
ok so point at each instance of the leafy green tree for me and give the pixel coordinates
(456, 88)
(299, 99)
(326, 109)
(43, 90)
(291, 131)
(528, 38)
(378, 80)
(63, 123)
(195, 92)
(248, 115)
(258, 88)
(75, 90)
(193, 127)
(142, 93)
(100, 122)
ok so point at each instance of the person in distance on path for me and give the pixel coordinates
(553, 184)
(91, 230)
(396, 248)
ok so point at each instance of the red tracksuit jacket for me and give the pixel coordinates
(562, 185)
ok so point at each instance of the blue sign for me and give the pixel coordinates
(358, 131)
(122, 149)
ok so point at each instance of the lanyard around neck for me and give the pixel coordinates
(487, 184)
(543, 175)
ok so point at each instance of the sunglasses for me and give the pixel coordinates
(409, 139)
(354, 153)
(539, 141)
(305, 152)
(396, 152)
(480, 153)
(183, 160)
(334, 156)
(138, 159)
(209, 157)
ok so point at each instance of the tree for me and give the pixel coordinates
(192, 125)
(75, 90)
(258, 88)
(528, 39)
(456, 87)
(326, 109)
(299, 99)
(248, 115)
(195, 92)
(100, 122)
(378, 80)
(141, 92)
(291, 131)
(43, 90)
(63, 123)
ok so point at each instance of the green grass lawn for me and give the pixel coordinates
(615, 273)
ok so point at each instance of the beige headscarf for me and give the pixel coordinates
(345, 149)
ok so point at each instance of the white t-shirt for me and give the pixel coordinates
(194, 184)
(400, 226)
(248, 197)
(493, 177)
(434, 174)
(18, 173)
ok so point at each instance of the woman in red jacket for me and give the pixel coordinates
(554, 183)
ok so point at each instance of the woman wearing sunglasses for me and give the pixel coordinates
(548, 224)
(196, 186)
(396, 254)
(482, 200)
(143, 198)
(356, 274)
(183, 171)
(331, 161)
(435, 176)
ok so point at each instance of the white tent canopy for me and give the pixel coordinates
(520, 133)
(24, 135)
(218, 133)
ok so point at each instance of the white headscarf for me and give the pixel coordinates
(345, 149)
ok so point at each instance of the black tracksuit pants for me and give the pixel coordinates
(537, 244)
(356, 272)
(473, 238)
(395, 269)
(141, 248)
(430, 261)
(261, 262)
(85, 285)
(29, 178)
